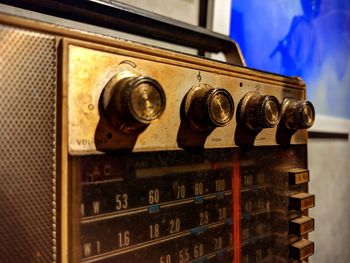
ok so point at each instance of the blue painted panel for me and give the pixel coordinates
(306, 38)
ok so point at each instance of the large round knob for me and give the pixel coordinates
(131, 103)
(258, 111)
(297, 114)
(206, 108)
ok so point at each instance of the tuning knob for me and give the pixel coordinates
(297, 114)
(258, 111)
(206, 108)
(132, 102)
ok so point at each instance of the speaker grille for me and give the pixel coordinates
(28, 69)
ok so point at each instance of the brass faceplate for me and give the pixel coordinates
(91, 66)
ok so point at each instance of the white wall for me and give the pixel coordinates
(221, 22)
(329, 164)
(183, 10)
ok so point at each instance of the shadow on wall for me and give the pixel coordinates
(295, 48)
(310, 39)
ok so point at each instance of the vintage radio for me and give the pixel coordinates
(114, 151)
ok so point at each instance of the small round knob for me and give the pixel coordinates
(131, 103)
(297, 114)
(258, 111)
(206, 108)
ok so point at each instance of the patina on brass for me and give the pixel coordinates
(221, 107)
(297, 114)
(206, 107)
(132, 102)
(90, 67)
(258, 111)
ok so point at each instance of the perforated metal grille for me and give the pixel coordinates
(27, 146)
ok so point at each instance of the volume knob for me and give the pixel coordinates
(206, 108)
(258, 111)
(131, 103)
(297, 114)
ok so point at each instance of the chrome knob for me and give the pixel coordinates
(131, 103)
(258, 111)
(206, 108)
(297, 114)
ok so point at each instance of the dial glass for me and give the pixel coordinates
(221, 108)
(147, 101)
(271, 112)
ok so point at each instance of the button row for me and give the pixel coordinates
(303, 224)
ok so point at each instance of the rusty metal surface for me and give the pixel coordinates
(90, 67)
(27, 146)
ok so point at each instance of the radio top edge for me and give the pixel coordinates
(122, 95)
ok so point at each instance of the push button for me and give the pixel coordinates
(298, 176)
(301, 201)
(301, 225)
(301, 249)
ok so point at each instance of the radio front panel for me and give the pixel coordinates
(89, 68)
(174, 206)
(155, 207)
(156, 156)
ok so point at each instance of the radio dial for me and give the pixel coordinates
(258, 111)
(131, 103)
(297, 114)
(206, 108)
